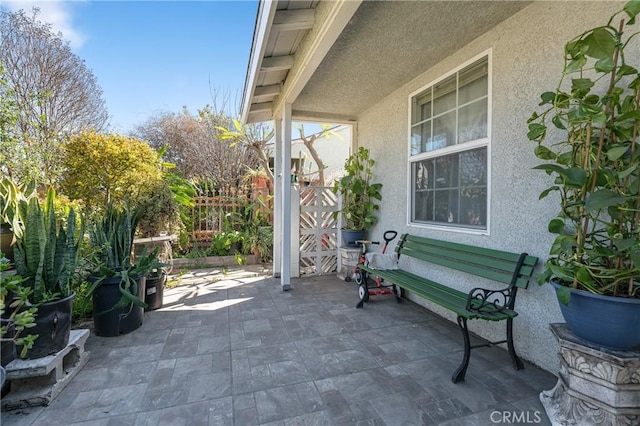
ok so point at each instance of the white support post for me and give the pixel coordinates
(285, 265)
(277, 195)
(295, 231)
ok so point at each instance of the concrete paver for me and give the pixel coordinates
(233, 349)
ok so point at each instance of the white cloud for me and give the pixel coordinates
(57, 13)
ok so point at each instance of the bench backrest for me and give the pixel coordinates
(509, 268)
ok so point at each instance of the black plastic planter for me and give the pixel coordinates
(53, 325)
(155, 290)
(109, 320)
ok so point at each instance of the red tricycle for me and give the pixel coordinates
(366, 285)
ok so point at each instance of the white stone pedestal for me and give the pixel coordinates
(348, 259)
(38, 381)
(595, 386)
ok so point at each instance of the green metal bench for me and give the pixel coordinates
(511, 269)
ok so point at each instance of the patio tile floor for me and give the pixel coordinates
(227, 350)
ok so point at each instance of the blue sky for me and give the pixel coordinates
(153, 56)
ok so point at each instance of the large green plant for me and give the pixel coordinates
(112, 236)
(588, 135)
(14, 299)
(359, 195)
(47, 249)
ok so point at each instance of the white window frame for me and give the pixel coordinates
(441, 152)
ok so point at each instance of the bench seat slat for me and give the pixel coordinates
(469, 259)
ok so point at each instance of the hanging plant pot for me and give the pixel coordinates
(349, 237)
(154, 290)
(53, 326)
(110, 320)
(606, 321)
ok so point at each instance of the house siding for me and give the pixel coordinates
(526, 60)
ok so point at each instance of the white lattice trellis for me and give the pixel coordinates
(318, 231)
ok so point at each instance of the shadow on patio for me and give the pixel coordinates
(233, 349)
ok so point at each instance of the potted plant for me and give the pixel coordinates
(118, 283)
(10, 197)
(158, 222)
(588, 135)
(15, 316)
(46, 252)
(359, 196)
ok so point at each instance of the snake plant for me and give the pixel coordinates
(112, 235)
(46, 252)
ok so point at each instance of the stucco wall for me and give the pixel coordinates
(527, 59)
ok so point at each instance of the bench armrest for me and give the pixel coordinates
(485, 300)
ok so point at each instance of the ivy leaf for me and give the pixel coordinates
(572, 176)
(563, 294)
(557, 121)
(560, 272)
(635, 257)
(575, 176)
(632, 8)
(536, 131)
(547, 192)
(582, 274)
(604, 65)
(624, 244)
(556, 226)
(616, 152)
(544, 153)
(576, 64)
(630, 114)
(601, 44)
(547, 97)
(581, 83)
(603, 198)
(626, 69)
(623, 174)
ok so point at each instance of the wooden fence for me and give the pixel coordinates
(209, 212)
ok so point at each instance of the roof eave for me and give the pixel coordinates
(264, 21)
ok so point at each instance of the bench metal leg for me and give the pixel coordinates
(517, 362)
(460, 372)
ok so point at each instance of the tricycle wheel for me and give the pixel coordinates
(363, 293)
(359, 277)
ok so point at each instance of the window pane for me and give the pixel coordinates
(444, 95)
(422, 175)
(473, 205)
(423, 206)
(473, 168)
(447, 171)
(444, 132)
(446, 206)
(421, 107)
(473, 82)
(472, 121)
(420, 135)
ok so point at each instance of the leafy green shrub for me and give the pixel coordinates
(103, 168)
